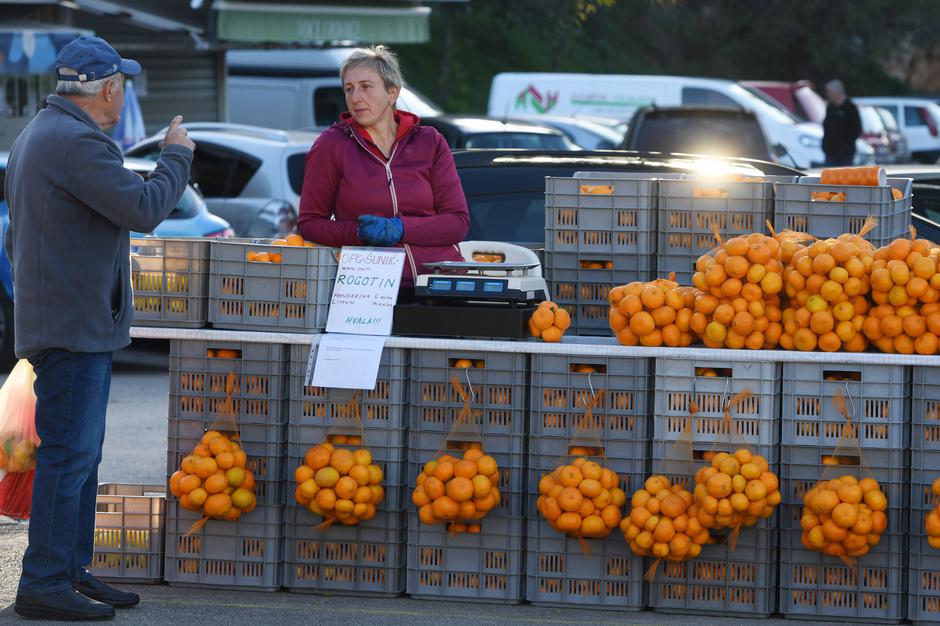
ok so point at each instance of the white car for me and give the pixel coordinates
(918, 120)
(249, 176)
(531, 95)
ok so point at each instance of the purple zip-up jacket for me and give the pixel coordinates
(346, 176)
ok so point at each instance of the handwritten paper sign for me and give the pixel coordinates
(365, 291)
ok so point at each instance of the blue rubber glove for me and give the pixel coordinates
(380, 231)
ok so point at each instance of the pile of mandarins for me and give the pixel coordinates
(932, 519)
(826, 283)
(549, 322)
(458, 490)
(293, 240)
(663, 522)
(735, 490)
(844, 516)
(652, 314)
(905, 285)
(214, 480)
(583, 499)
(339, 484)
(740, 283)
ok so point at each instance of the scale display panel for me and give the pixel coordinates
(461, 286)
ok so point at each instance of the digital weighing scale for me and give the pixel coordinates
(471, 299)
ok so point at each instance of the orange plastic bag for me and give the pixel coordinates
(18, 438)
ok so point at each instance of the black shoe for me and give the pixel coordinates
(67, 605)
(97, 590)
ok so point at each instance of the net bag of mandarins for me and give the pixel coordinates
(827, 283)
(652, 314)
(581, 497)
(737, 488)
(337, 480)
(740, 284)
(844, 514)
(214, 479)
(905, 286)
(460, 490)
(663, 518)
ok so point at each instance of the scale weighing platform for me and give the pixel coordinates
(471, 299)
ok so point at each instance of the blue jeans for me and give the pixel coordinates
(71, 401)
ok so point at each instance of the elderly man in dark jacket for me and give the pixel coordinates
(72, 205)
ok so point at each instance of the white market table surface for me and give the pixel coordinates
(584, 346)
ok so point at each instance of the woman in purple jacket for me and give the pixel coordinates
(377, 178)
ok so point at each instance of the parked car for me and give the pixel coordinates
(190, 218)
(899, 147)
(7, 357)
(589, 133)
(531, 95)
(698, 130)
(249, 176)
(505, 189)
(296, 88)
(472, 131)
(798, 97)
(926, 190)
(919, 121)
(875, 134)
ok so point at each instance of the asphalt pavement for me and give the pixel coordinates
(135, 452)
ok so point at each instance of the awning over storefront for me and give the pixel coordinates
(32, 48)
(255, 22)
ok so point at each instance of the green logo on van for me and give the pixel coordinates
(530, 97)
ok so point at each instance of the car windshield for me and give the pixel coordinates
(871, 121)
(887, 119)
(415, 102)
(712, 135)
(769, 104)
(531, 141)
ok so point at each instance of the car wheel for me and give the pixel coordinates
(7, 356)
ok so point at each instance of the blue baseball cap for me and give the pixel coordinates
(93, 58)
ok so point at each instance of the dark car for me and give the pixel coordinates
(505, 189)
(713, 131)
(469, 131)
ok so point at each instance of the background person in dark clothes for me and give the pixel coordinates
(841, 127)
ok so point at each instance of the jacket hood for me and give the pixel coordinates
(406, 121)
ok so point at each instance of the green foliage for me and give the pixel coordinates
(736, 39)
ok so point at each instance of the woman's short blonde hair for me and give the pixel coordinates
(377, 58)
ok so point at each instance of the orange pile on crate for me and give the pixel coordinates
(275, 257)
(339, 484)
(461, 491)
(583, 499)
(549, 322)
(214, 479)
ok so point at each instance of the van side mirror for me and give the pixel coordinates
(779, 150)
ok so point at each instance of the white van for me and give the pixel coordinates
(918, 119)
(293, 89)
(617, 96)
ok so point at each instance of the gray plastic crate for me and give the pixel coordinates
(580, 283)
(471, 567)
(367, 559)
(925, 409)
(794, 209)
(680, 382)
(290, 296)
(687, 220)
(230, 555)
(559, 394)
(817, 586)
(924, 576)
(559, 573)
(620, 222)
(171, 282)
(198, 382)
(129, 526)
(875, 396)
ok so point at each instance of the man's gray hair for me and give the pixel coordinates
(835, 85)
(79, 88)
(378, 58)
